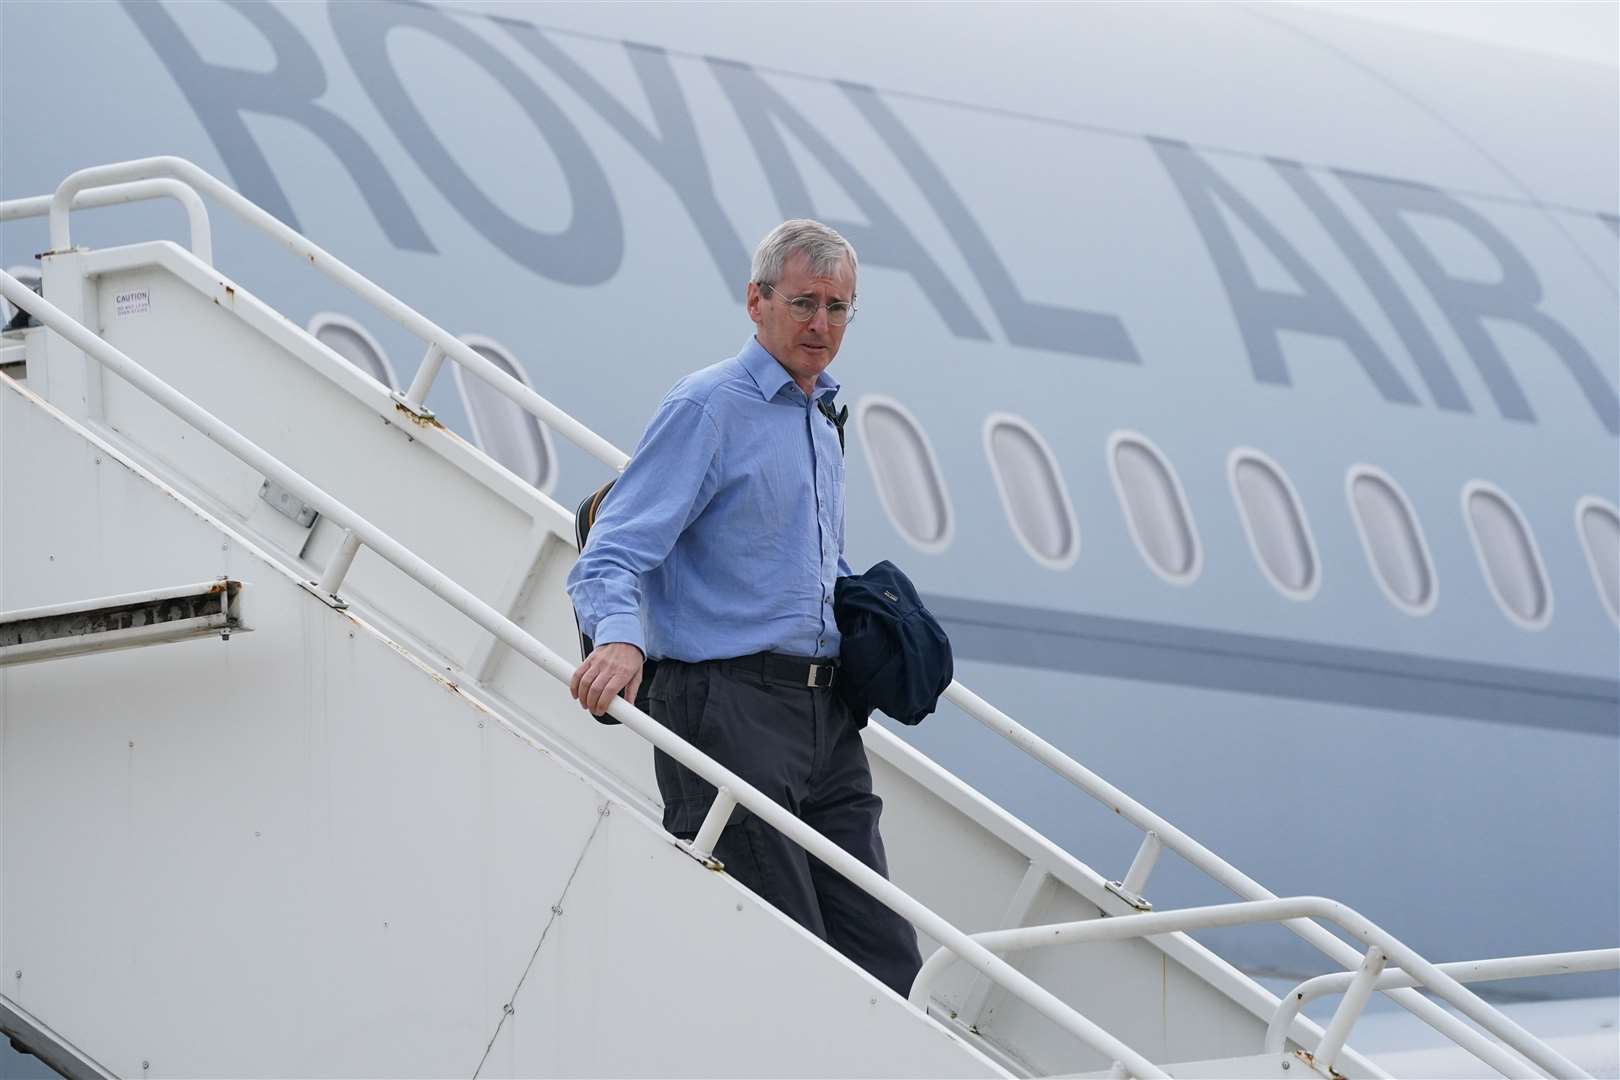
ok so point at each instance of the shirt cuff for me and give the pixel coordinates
(624, 627)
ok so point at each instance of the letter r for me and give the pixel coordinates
(222, 95)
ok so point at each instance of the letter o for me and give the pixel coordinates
(590, 249)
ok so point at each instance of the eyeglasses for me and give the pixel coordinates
(804, 308)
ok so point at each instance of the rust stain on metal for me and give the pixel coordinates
(1310, 1059)
(428, 421)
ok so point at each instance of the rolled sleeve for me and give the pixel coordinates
(670, 478)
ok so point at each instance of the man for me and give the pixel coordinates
(716, 554)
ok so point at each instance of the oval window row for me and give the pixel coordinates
(1036, 500)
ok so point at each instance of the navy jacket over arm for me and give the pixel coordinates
(895, 656)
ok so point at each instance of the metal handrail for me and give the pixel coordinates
(202, 235)
(1381, 945)
(732, 788)
(1464, 971)
(440, 342)
(1160, 832)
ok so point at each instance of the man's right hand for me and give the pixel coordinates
(611, 670)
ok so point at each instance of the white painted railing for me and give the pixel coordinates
(1158, 832)
(1382, 947)
(440, 342)
(112, 194)
(1467, 971)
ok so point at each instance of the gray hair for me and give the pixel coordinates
(825, 249)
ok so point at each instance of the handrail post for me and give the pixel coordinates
(1349, 1011)
(1130, 889)
(714, 824)
(338, 566)
(1146, 855)
(423, 381)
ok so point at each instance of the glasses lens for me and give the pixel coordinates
(804, 308)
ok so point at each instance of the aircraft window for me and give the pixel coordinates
(906, 473)
(500, 426)
(1155, 508)
(355, 344)
(1275, 523)
(1600, 531)
(29, 277)
(1507, 554)
(1032, 490)
(1393, 540)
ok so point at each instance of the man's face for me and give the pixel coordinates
(803, 348)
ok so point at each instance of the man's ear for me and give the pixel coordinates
(752, 300)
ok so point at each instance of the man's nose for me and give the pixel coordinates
(818, 321)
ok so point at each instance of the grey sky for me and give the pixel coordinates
(1585, 30)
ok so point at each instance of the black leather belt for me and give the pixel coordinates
(787, 670)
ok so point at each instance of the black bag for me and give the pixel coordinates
(895, 655)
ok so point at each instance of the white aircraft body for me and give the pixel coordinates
(1237, 382)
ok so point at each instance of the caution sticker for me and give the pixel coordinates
(132, 302)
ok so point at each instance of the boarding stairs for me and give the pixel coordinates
(293, 784)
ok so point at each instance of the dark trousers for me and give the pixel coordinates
(798, 745)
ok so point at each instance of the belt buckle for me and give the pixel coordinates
(815, 674)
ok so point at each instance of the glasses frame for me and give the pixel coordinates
(788, 302)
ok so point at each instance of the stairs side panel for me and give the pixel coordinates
(304, 852)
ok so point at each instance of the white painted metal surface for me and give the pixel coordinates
(308, 853)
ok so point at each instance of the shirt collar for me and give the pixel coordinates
(769, 376)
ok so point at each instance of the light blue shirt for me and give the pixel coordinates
(725, 535)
